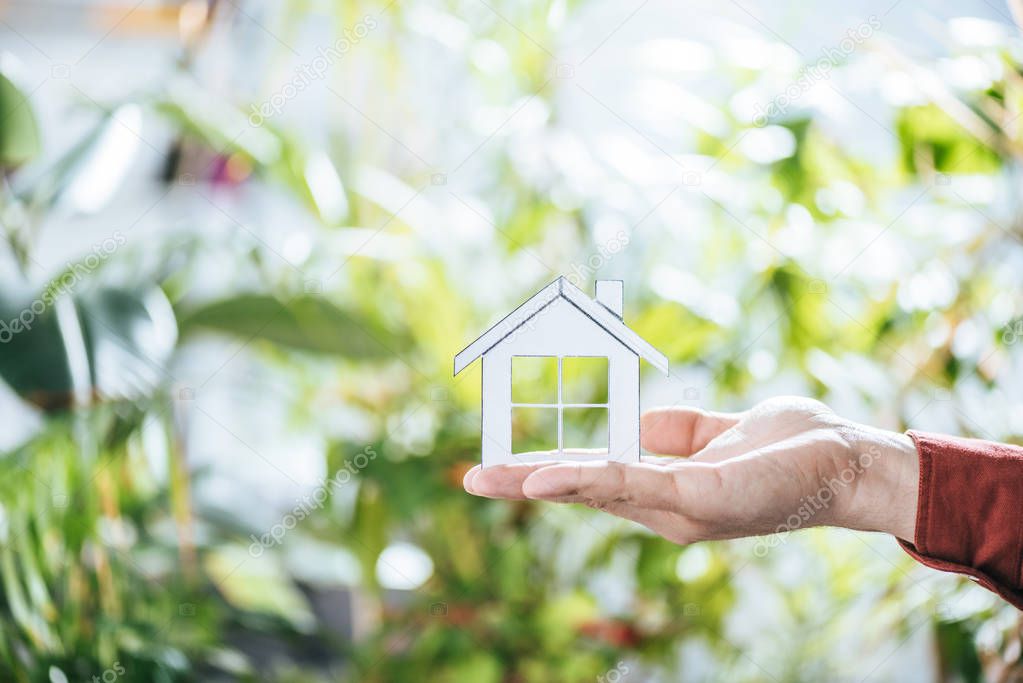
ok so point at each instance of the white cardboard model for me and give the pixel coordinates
(560, 321)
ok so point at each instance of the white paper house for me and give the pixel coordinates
(561, 325)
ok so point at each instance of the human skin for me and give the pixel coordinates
(786, 463)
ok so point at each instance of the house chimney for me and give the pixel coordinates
(610, 294)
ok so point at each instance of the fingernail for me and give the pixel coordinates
(468, 478)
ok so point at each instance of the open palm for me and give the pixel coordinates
(786, 463)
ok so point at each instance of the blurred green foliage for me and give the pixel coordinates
(109, 560)
(20, 133)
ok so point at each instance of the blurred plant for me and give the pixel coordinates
(111, 558)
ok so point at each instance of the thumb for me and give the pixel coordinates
(675, 488)
(681, 430)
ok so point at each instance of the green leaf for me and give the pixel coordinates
(958, 652)
(19, 132)
(129, 337)
(305, 323)
(313, 178)
(263, 588)
(34, 362)
(105, 152)
(477, 667)
(204, 115)
(308, 174)
(928, 132)
(124, 337)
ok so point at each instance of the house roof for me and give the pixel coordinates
(561, 288)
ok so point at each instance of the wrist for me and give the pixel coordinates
(887, 489)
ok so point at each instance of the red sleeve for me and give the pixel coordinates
(970, 513)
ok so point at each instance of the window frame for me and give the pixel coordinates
(560, 406)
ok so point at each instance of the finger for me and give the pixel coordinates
(648, 518)
(501, 481)
(633, 513)
(671, 526)
(469, 476)
(728, 445)
(640, 484)
(505, 481)
(682, 430)
(661, 459)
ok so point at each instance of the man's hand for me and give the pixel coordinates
(785, 464)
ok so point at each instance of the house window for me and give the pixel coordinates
(560, 403)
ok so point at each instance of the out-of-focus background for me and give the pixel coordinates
(243, 241)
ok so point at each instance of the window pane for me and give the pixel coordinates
(534, 429)
(534, 379)
(583, 379)
(585, 429)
